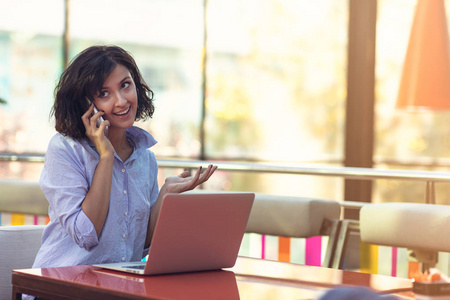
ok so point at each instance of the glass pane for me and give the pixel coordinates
(30, 63)
(412, 140)
(424, 135)
(165, 38)
(410, 191)
(28, 171)
(276, 92)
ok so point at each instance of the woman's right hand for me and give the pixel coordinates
(96, 203)
(97, 134)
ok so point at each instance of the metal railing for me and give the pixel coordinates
(428, 177)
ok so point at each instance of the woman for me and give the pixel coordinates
(101, 181)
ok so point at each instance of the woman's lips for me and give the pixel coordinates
(124, 113)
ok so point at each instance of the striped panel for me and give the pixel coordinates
(263, 246)
(244, 250)
(384, 260)
(402, 263)
(394, 252)
(284, 249)
(6, 219)
(255, 242)
(298, 250)
(368, 258)
(17, 219)
(313, 249)
(271, 247)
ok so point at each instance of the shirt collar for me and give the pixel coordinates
(139, 139)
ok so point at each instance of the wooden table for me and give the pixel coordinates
(250, 278)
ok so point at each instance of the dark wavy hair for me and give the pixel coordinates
(84, 79)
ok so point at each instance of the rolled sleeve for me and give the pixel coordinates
(85, 234)
(65, 183)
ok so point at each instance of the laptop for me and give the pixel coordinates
(194, 232)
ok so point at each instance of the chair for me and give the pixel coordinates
(297, 217)
(19, 246)
(421, 228)
(291, 216)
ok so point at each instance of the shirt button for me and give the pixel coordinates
(124, 235)
(126, 213)
(123, 258)
(123, 170)
(124, 192)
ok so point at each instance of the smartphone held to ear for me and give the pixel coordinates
(100, 119)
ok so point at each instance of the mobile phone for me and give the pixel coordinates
(100, 119)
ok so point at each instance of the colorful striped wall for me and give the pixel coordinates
(7, 219)
(302, 251)
(311, 251)
(373, 259)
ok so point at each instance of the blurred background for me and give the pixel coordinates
(259, 81)
(264, 81)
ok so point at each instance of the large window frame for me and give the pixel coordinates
(360, 101)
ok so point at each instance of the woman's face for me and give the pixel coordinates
(118, 98)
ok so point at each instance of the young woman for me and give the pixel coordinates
(101, 181)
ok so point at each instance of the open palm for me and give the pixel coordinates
(184, 182)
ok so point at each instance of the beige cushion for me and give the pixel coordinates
(290, 216)
(23, 197)
(19, 246)
(415, 226)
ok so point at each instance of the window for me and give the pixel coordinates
(275, 92)
(30, 63)
(404, 139)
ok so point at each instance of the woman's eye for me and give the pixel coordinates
(103, 94)
(125, 85)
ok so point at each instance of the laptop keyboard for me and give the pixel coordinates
(139, 267)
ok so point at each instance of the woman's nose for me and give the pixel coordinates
(120, 99)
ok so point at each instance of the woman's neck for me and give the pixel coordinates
(121, 144)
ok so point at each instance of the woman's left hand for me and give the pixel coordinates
(184, 182)
(176, 184)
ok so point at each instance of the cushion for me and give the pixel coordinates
(22, 196)
(290, 216)
(417, 226)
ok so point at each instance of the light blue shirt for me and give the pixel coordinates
(70, 238)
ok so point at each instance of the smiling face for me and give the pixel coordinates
(118, 99)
